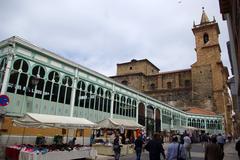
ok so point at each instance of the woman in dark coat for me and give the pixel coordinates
(155, 148)
(213, 151)
(116, 148)
(138, 147)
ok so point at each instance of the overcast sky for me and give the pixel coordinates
(98, 34)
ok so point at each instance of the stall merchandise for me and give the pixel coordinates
(76, 153)
(12, 152)
(121, 125)
(55, 151)
(49, 152)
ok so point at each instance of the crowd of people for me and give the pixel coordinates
(179, 147)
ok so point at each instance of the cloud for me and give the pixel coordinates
(100, 34)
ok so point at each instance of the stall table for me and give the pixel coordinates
(108, 149)
(84, 152)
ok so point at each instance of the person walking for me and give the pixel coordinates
(237, 147)
(138, 147)
(187, 146)
(176, 151)
(155, 148)
(204, 139)
(221, 140)
(213, 151)
(116, 148)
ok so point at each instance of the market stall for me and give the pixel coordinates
(111, 126)
(53, 151)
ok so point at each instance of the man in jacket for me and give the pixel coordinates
(155, 148)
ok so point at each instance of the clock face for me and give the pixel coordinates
(4, 100)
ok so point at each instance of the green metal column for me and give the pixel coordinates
(154, 118)
(73, 92)
(137, 108)
(112, 101)
(161, 120)
(171, 120)
(8, 67)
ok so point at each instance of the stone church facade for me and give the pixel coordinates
(203, 85)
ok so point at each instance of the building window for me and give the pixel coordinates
(130, 68)
(187, 83)
(205, 38)
(152, 86)
(125, 82)
(169, 85)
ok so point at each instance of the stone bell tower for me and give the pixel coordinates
(209, 76)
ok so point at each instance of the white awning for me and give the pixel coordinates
(47, 121)
(118, 123)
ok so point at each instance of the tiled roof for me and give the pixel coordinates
(196, 110)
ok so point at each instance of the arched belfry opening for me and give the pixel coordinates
(205, 38)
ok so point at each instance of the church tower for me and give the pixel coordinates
(209, 76)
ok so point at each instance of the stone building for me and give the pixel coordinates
(204, 85)
(230, 13)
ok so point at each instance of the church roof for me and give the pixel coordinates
(196, 110)
(204, 18)
(141, 60)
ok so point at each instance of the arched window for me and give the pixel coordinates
(122, 106)
(80, 94)
(189, 122)
(129, 107)
(215, 124)
(202, 124)
(53, 80)
(65, 90)
(90, 96)
(198, 123)
(124, 82)
(116, 104)
(36, 82)
(107, 101)
(134, 104)
(211, 124)
(205, 38)
(99, 99)
(194, 123)
(18, 77)
(207, 124)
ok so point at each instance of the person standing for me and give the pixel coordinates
(213, 151)
(155, 148)
(237, 147)
(187, 146)
(138, 147)
(116, 148)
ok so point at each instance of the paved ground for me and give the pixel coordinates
(197, 153)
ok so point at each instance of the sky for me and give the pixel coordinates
(98, 34)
